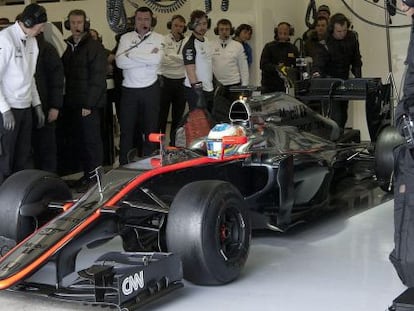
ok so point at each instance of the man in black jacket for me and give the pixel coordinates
(85, 66)
(49, 81)
(406, 106)
(277, 56)
(337, 58)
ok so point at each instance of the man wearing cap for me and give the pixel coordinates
(323, 11)
(340, 56)
(18, 92)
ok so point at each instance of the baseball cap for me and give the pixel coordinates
(325, 8)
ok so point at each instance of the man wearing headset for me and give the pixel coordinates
(229, 60)
(277, 54)
(197, 57)
(84, 62)
(139, 56)
(336, 59)
(18, 92)
(173, 75)
(229, 67)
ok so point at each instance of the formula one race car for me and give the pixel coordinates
(185, 212)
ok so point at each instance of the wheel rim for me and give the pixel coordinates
(231, 234)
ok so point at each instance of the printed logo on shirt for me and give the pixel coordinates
(189, 55)
(19, 53)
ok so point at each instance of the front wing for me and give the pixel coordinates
(123, 280)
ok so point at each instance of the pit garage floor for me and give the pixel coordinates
(337, 262)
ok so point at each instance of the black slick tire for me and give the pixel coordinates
(33, 188)
(387, 140)
(208, 226)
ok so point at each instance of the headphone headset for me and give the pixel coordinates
(224, 21)
(291, 29)
(32, 15)
(147, 9)
(87, 23)
(180, 17)
(242, 27)
(340, 19)
(195, 17)
(409, 3)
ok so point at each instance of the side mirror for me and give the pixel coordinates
(158, 138)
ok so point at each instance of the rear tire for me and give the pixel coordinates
(25, 187)
(209, 227)
(387, 140)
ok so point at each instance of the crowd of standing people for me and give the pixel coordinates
(155, 73)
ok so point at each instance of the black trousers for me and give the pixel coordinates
(44, 147)
(80, 141)
(339, 112)
(172, 95)
(139, 115)
(15, 153)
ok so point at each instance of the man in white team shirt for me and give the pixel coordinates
(198, 64)
(173, 75)
(230, 67)
(18, 92)
(139, 56)
(229, 60)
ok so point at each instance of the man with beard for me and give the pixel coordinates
(197, 57)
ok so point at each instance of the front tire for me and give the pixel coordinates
(387, 140)
(209, 227)
(33, 189)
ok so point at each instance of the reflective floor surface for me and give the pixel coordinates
(335, 262)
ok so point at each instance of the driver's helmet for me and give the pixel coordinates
(214, 142)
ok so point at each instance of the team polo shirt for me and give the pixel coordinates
(140, 58)
(18, 57)
(230, 62)
(172, 64)
(198, 53)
